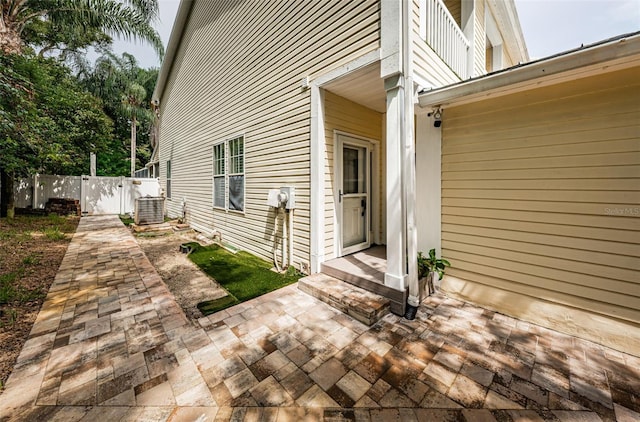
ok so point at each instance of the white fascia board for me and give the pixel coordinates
(506, 16)
(341, 71)
(616, 54)
(184, 10)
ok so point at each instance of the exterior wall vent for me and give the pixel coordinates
(149, 210)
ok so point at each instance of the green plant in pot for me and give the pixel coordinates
(429, 266)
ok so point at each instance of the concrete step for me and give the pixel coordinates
(365, 306)
(366, 278)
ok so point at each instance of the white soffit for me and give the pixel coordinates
(363, 86)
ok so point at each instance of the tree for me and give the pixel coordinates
(112, 79)
(48, 122)
(72, 25)
(133, 101)
(66, 26)
(16, 93)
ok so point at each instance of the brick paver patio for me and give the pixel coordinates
(110, 343)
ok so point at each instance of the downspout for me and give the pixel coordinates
(284, 239)
(290, 215)
(276, 242)
(409, 163)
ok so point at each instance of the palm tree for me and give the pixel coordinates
(128, 19)
(122, 85)
(133, 101)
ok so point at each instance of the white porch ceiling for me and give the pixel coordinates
(363, 86)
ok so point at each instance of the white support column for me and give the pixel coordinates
(396, 234)
(429, 172)
(409, 157)
(409, 168)
(318, 153)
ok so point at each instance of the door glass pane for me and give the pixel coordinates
(354, 203)
(354, 170)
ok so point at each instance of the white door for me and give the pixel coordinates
(354, 195)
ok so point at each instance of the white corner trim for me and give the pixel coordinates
(318, 152)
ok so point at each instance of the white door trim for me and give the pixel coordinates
(319, 149)
(373, 196)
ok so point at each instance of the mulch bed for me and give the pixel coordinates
(31, 250)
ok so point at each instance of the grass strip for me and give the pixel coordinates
(243, 275)
(126, 219)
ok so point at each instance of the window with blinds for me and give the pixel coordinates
(236, 174)
(228, 174)
(219, 175)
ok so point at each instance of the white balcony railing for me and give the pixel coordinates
(446, 38)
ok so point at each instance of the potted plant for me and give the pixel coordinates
(428, 267)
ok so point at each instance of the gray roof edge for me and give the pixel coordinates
(184, 10)
(602, 51)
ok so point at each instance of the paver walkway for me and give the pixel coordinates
(110, 343)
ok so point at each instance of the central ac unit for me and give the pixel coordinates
(149, 210)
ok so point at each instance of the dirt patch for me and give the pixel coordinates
(31, 250)
(188, 284)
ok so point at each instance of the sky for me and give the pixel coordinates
(549, 26)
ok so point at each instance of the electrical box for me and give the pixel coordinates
(272, 198)
(284, 197)
(289, 197)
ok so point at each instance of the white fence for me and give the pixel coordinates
(97, 195)
(446, 38)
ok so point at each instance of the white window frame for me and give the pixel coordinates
(227, 173)
(222, 175)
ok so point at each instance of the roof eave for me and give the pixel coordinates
(184, 9)
(512, 78)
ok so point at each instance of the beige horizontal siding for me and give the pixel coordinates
(238, 71)
(352, 118)
(541, 198)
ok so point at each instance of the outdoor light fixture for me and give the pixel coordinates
(437, 116)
